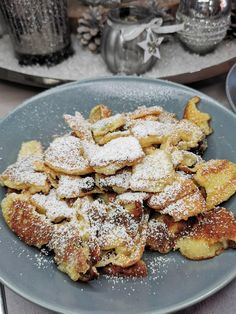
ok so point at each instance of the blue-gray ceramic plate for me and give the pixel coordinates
(231, 87)
(173, 282)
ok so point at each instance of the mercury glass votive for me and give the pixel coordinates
(39, 30)
(205, 23)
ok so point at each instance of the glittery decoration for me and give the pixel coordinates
(39, 30)
(151, 46)
(206, 24)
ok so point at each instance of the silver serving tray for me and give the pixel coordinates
(30, 80)
(184, 78)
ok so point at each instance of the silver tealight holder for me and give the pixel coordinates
(121, 55)
(205, 23)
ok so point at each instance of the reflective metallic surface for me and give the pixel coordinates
(37, 28)
(125, 56)
(206, 23)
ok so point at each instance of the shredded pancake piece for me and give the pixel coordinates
(151, 132)
(218, 178)
(30, 148)
(80, 126)
(74, 186)
(122, 236)
(56, 210)
(116, 154)
(163, 232)
(23, 219)
(188, 206)
(214, 232)
(132, 197)
(201, 119)
(137, 270)
(22, 176)
(90, 215)
(143, 112)
(72, 255)
(106, 125)
(119, 182)
(65, 155)
(99, 112)
(153, 173)
(172, 193)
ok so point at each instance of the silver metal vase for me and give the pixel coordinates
(206, 23)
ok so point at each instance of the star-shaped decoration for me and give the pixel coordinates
(151, 46)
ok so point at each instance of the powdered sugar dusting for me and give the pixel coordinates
(93, 214)
(65, 153)
(106, 122)
(79, 125)
(62, 237)
(72, 186)
(157, 229)
(153, 169)
(168, 195)
(124, 149)
(23, 172)
(55, 209)
(120, 180)
(190, 128)
(119, 228)
(132, 197)
(158, 268)
(151, 128)
(184, 208)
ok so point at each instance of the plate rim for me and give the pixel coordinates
(203, 294)
(232, 104)
(118, 78)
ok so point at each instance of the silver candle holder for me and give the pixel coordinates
(121, 55)
(39, 30)
(131, 39)
(206, 23)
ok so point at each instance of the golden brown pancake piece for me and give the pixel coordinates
(193, 114)
(137, 270)
(214, 232)
(72, 255)
(23, 219)
(163, 232)
(218, 178)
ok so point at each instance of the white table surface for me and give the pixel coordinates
(223, 302)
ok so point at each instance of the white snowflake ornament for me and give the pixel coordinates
(151, 46)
